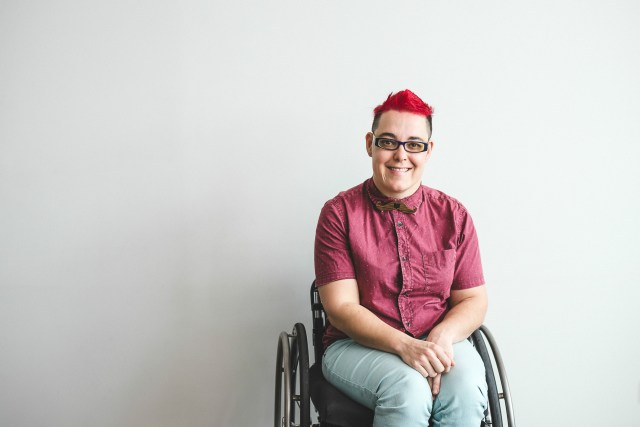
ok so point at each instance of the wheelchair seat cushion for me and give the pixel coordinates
(334, 407)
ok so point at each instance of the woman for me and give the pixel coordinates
(399, 274)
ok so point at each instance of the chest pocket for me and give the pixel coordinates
(438, 272)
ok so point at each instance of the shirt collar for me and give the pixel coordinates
(413, 201)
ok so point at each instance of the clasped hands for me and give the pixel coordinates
(431, 357)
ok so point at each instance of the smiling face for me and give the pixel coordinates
(398, 174)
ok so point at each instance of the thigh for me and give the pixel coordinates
(364, 374)
(469, 368)
(463, 390)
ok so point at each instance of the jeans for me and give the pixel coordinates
(399, 395)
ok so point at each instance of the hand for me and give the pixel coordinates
(443, 340)
(446, 343)
(428, 358)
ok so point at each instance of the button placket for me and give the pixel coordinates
(404, 304)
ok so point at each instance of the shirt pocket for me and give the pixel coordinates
(438, 272)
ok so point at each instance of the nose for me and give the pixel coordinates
(400, 154)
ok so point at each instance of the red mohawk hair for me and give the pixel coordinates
(404, 101)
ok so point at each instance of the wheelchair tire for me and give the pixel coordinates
(292, 369)
(505, 395)
(300, 375)
(283, 378)
(492, 387)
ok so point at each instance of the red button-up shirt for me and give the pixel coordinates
(405, 264)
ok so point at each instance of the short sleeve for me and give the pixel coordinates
(468, 268)
(332, 254)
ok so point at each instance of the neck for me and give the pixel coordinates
(400, 195)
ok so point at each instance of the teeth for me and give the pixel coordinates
(400, 169)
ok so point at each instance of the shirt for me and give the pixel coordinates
(405, 264)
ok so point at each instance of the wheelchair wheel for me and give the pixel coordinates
(495, 418)
(494, 394)
(292, 373)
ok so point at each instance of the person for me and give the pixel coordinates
(399, 274)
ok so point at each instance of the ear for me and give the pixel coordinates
(432, 144)
(369, 142)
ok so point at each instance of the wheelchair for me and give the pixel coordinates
(297, 384)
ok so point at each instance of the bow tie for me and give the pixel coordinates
(393, 206)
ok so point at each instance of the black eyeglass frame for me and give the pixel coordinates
(376, 139)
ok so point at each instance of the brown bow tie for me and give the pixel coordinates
(393, 206)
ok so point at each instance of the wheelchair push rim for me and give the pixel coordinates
(292, 369)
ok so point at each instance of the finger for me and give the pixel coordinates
(450, 354)
(430, 371)
(453, 363)
(437, 366)
(435, 361)
(435, 388)
(435, 351)
(443, 356)
(418, 367)
(425, 365)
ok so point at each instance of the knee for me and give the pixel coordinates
(463, 392)
(468, 393)
(408, 393)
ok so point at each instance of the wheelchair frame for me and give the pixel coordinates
(292, 373)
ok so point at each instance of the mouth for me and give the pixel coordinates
(398, 170)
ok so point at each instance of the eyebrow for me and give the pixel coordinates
(393, 136)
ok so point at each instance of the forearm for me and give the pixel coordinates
(366, 328)
(342, 305)
(462, 319)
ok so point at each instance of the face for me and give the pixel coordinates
(398, 174)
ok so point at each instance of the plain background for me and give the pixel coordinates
(163, 164)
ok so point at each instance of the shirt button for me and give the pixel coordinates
(404, 258)
(399, 223)
(405, 293)
(408, 323)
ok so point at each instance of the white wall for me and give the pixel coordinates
(147, 151)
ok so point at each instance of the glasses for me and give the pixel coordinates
(392, 144)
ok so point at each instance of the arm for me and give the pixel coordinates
(341, 302)
(467, 308)
(466, 313)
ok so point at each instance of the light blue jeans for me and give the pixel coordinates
(399, 395)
